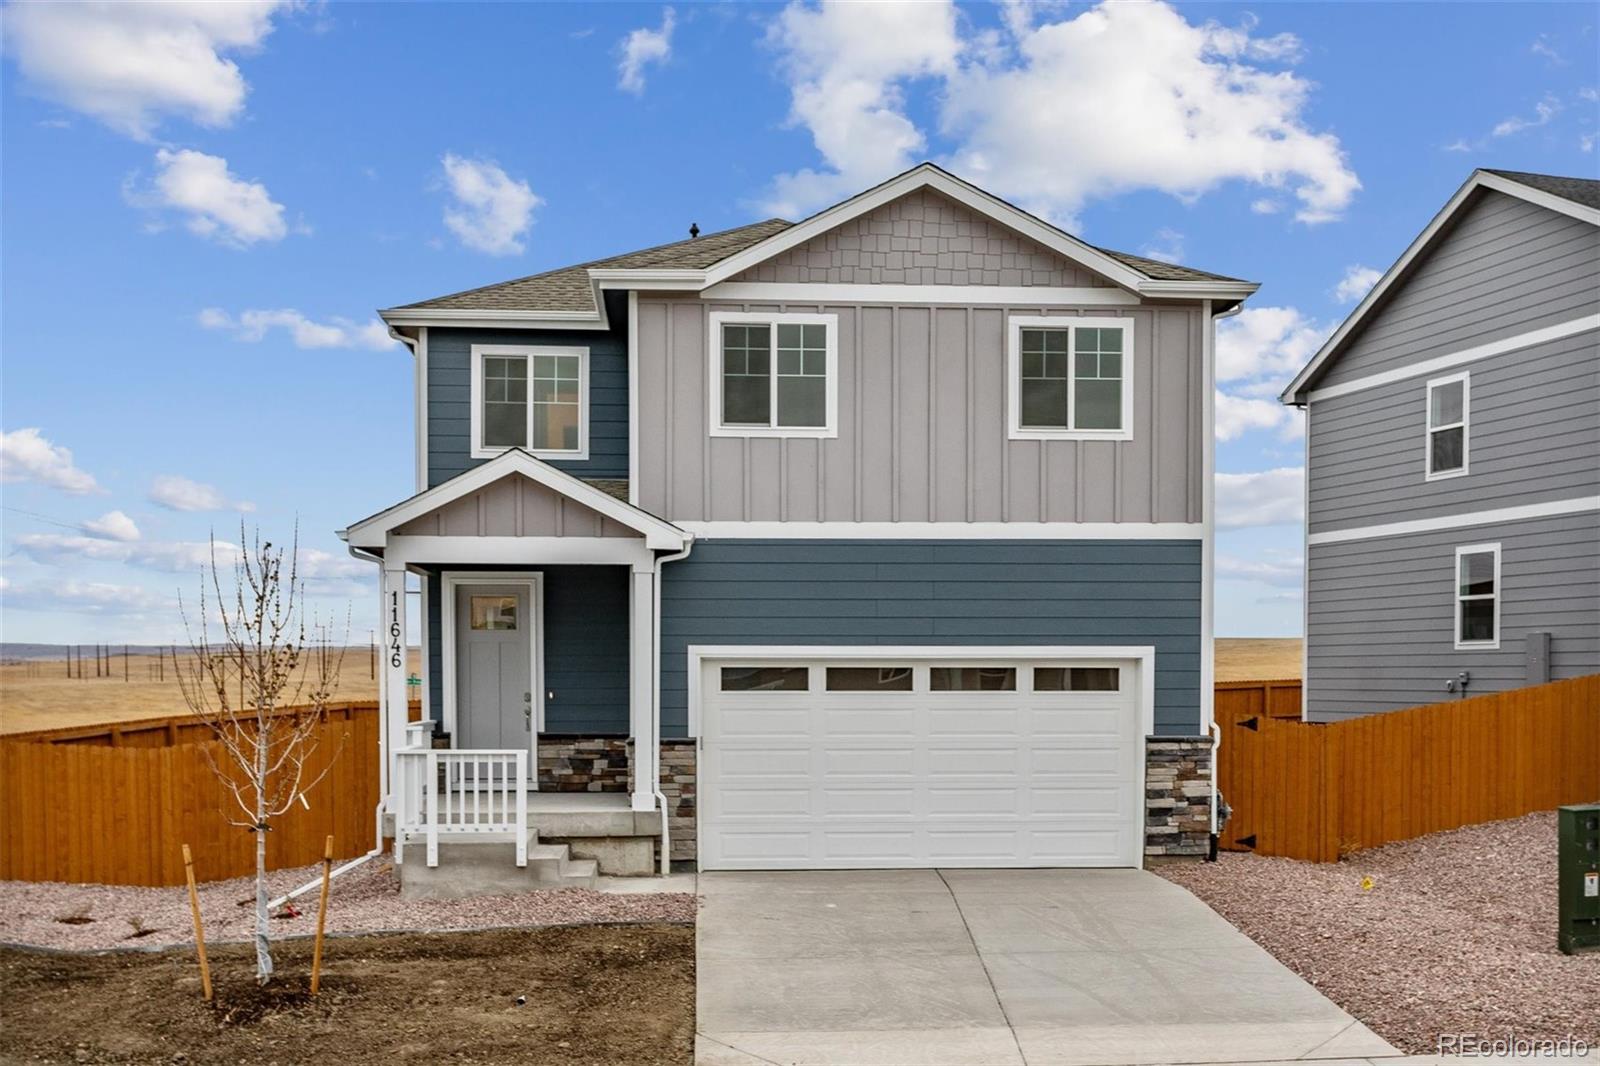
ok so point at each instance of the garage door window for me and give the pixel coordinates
(765, 678)
(972, 679)
(869, 679)
(1077, 679)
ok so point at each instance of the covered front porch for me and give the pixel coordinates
(539, 624)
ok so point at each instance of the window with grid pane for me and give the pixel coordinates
(505, 401)
(1070, 378)
(556, 405)
(1045, 363)
(802, 384)
(1097, 378)
(746, 374)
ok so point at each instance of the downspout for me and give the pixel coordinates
(655, 706)
(377, 814)
(1210, 529)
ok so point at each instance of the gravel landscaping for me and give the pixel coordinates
(98, 917)
(1456, 935)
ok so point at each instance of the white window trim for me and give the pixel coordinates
(480, 351)
(1016, 324)
(1456, 598)
(714, 375)
(1465, 377)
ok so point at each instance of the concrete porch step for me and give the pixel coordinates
(489, 867)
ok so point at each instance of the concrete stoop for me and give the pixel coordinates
(489, 868)
(622, 841)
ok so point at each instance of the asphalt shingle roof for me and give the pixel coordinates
(1585, 191)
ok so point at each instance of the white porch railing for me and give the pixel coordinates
(459, 794)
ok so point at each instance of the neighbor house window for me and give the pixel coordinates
(530, 398)
(1478, 596)
(774, 375)
(1448, 402)
(1070, 378)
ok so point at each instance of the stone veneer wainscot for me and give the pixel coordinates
(1177, 796)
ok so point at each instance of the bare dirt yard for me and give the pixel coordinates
(1456, 935)
(1258, 658)
(588, 995)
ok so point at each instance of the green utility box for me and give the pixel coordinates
(1578, 860)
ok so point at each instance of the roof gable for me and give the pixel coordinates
(461, 506)
(1574, 197)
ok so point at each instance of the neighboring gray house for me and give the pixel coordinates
(878, 539)
(1453, 459)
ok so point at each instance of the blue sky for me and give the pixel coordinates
(203, 205)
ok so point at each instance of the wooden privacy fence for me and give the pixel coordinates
(114, 805)
(1317, 791)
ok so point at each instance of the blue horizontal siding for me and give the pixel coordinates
(939, 592)
(450, 394)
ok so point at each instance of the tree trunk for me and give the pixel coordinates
(263, 928)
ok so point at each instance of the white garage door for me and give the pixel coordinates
(866, 762)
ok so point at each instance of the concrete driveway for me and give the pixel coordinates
(993, 967)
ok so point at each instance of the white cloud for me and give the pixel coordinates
(643, 47)
(1238, 415)
(1356, 282)
(1267, 498)
(1167, 247)
(113, 525)
(253, 326)
(26, 455)
(86, 597)
(1283, 572)
(181, 494)
(215, 202)
(1543, 112)
(1542, 46)
(846, 64)
(166, 556)
(1265, 206)
(1266, 342)
(129, 64)
(491, 211)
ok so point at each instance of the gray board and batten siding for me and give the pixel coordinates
(933, 592)
(922, 425)
(1533, 436)
(450, 393)
(1506, 267)
(1381, 620)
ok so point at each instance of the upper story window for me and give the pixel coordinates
(1071, 378)
(533, 398)
(1448, 409)
(1478, 596)
(774, 375)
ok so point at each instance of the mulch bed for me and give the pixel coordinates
(1456, 935)
(591, 994)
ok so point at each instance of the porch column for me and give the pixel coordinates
(641, 684)
(392, 652)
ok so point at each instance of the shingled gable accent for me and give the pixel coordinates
(492, 498)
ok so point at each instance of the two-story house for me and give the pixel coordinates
(882, 539)
(1453, 459)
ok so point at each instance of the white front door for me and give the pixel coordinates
(858, 763)
(494, 670)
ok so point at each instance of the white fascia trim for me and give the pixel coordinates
(518, 551)
(491, 319)
(954, 295)
(830, 427)
(1551, 509)
(946, 530)
(1142, 654)
(1479, 180)
(1213, 290)
(633, 397)
(1015, 324)
(1457, 598)
(647, 278)
(928, 176)
(372, 532)
(1543, 335)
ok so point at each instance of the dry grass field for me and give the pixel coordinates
(1258, 658)
(39, 695)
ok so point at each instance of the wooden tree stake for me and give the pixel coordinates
(199, 931)
(322, 916)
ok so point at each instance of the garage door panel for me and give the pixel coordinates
(853, 779)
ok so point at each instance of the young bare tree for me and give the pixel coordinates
(256, 678)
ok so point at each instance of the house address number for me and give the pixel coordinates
(396, 652)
